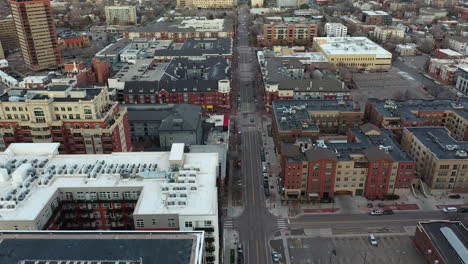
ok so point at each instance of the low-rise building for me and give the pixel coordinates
(179, 30)
(386, 33)
(461, 10)
(462, 80)
(256, 3)
(290, 3)
(194, 48)
(445, 70)
(396, 115)
(459, 44)
(441, 160)
(378, 18)
(83, 121)
(287, 34)
(43, 190)
(201, 4)
(293, 119)
(448, 54)
(442, 241)
(409, 49)
(428, 14)
(370, 164)
(165, 124)
(354, 52)
(335, 30)
(167, 246)
(121, 15)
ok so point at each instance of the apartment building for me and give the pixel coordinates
(396, 115)
(445, 70)
(181, 29)
(83, 121)
(409, 49)
(370, 164)
(459, 44)
(353, 52)
(462, 80)
(293, 119)
(196, 48)
(43, 190)
(256, 3)
(290, 3)
(441, 159)
(388, 33)
(8, 36)
(36, 33)
(166, 246)
(378, 18)
(208, 4)
(335, 30)
(287, 33)
(121, 15)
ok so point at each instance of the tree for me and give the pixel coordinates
(425, 45)
(210, 17)
(304, 6)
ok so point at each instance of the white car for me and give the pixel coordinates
(376, 212)
(275, 256)
(449, 210)
(372, 240)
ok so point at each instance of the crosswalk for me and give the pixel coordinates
(228, 224)
(281, 223)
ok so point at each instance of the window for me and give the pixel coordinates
(188, 224)
(207, 223)
(140, 223)
(171, 222)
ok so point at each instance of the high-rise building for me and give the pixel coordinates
(36, 33)
(335, 30)
(8, 36)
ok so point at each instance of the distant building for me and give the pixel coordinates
(441, 160)
(462, 80)
(378, 18)
(386, 33)
(354, 52)
(194, 48)
(461, 10)
(289, 33)
(335, 30)
(290, 3)
(256, 3)
(125, 15)
(409, 49)
(33, 20)
(166, 124)
(445, 70)
(448, 54)
(459, 44)
(8, 36)
(207, 3)
(73, 41)
(442, 241)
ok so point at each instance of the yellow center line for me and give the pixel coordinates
(353, 221)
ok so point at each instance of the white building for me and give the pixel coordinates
(459, 44)
(256, 3)
(121, 15)
(335, 30)
(39, 189)
(386, 33)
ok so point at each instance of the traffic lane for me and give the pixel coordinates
(337, 220)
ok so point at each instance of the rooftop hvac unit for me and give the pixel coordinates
(461, 154)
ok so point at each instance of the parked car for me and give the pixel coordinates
(372, 240)
(388, 212)
(376, 212)
(275, 256)
(449, 210)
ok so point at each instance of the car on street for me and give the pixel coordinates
(463, 210)
(376, 212)
(275, 256)
(372, 240)
(251, 120)
(449, 210)
(388, 212)
(239, 163)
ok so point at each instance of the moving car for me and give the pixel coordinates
(372, 240)
(376, 212)
(449, 210)
(388, 212)
(275, 256)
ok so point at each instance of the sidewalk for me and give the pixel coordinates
(230, 243)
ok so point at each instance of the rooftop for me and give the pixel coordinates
(142, 69)
(450, 239)
(178, 86)
(33, 173)
(187, 25)
(198, 47)
(439, 142)
(295, 114)
(375, 13)
(58, 93)
(115, 48)
(351, 45)
(211, 68)
(133, 247)
(450, 52)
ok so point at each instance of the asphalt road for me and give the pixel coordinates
(255, 225)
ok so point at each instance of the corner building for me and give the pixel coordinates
(83, 121)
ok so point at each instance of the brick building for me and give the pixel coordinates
(83, 121)
(396, 115)
(370, 164)
(378, 18)
(287, 33)
(461, 10)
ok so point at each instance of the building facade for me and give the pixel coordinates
(291, 33)
(213, 4)
(386, 33)
(462, 80)
(459, 44)
(335, 30)
(445, 70)
(83, 121)
(36, 33)
(120, 191)
(124, 15)
(8, 36)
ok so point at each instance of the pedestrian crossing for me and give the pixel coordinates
(281, 223)
(228, 224)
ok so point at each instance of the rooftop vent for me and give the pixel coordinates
(461, 154)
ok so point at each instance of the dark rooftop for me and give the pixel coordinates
(154, 87)
(114, 48)
(173, 26)
(213, 68)
(198, 47)
(133, 247)
(439, 142)
(450, 238)
(73, 95)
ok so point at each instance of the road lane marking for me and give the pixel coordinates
(258, 254)
(354, 221)
(281, 223)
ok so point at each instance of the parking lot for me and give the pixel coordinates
(391, 249)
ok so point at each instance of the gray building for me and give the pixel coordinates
(165, 124)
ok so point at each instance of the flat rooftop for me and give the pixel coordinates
(142, 70)
(189, 25)
(351, 46)
(450, 238)
(132, 247)
(375, 13)
(294, 114)
(33, 173)
(115, 48)
(57, 93)
(439, 142)
(198, 47)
